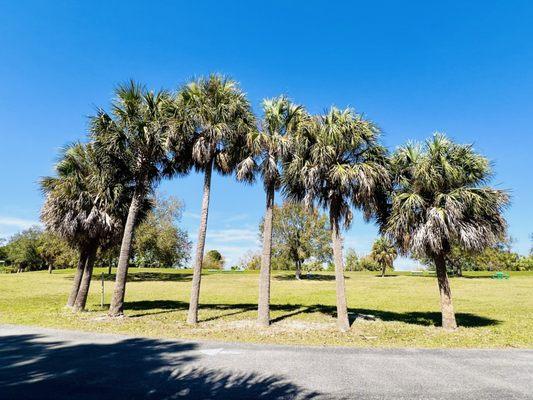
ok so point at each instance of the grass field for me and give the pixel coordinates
(491, 313)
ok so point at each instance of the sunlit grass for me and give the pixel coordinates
(492, 313)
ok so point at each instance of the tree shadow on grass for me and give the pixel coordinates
(475, 277)
(305, 277)
(423, 318)
(136, 276)
(33, 368)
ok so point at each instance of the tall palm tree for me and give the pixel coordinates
(219, 116)
(440, 200)
(268, 145)
(337, 163)
(77, 208)
(384, 253)
(135, 138)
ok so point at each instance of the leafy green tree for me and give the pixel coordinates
(136, 133)
(251, 261)
(159, 242)
(384, 253)
(3, 250)
(367, 263)
(213, 260)
(55, 251)
(218, 115)
(351, 262)
(267, 146)
(337, 163)
(23, 249)
(440, 200)
(300, 234)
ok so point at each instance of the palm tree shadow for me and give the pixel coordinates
(167, 306)
(135, 276)
(422, 318)
(306, 277)
(33, 368)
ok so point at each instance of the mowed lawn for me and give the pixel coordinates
(492, 313)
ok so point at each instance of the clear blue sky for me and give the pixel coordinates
(464, 68)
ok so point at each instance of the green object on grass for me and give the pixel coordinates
(500, 275)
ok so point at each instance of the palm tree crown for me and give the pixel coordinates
(135, 137)
(337, 163)
(219, 117)
(441, 199)
(270, 143)
(76, 206)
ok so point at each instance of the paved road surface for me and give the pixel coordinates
(38, 363)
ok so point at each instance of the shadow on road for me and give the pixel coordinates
(130, 369)
(424, 318)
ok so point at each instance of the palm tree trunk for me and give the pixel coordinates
(81, 298)
(50, 268)
(117, 301)
(298, 273)
(383, 268)
(77, 278)
(446, 306)
(342, 309)
(192, 317)
(263, 309)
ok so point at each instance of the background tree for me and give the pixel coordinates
(440, 200)
(351, 262)
(219, 116)
(3, 250)
(337, 163)
(251, 260)
(213, 260)
(136, 135)
(22, 250)
(299, 234)
(55, 251)
(267, 146)
(384, 253)
(159, 241)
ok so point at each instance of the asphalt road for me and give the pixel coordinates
(38, 363)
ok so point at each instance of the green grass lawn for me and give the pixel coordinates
(492, 313)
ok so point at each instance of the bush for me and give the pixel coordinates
(368, 264)
(213, 260)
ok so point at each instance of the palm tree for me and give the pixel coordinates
(135, 138)
(219, 116)
(337, 163)
(440, 200)
(268, 145)
(76, 209)
(384, 253)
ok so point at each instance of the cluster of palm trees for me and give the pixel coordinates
(425, 197)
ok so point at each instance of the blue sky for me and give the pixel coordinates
(464, 68)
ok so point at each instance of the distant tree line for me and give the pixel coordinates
(498, 257)
(158, 242)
